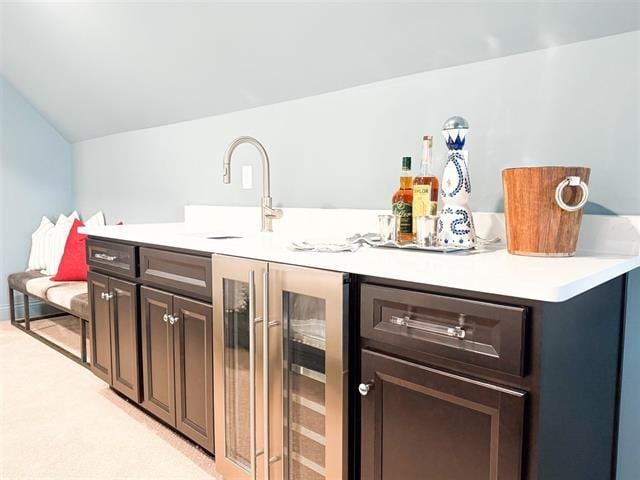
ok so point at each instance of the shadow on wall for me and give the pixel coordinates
(591, 208)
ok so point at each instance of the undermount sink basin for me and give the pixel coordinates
(213, 236)
(221, 237)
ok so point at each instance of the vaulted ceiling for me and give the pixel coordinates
(96, 68)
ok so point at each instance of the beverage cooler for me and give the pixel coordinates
(280, 370)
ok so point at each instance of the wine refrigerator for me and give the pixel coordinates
(280, 371)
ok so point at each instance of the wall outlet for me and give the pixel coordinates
(247, 177)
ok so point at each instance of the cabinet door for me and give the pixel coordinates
(157, 354)
(99, 326)
(418, 423)
(125, 338)
(238, 286)
(194, 370)
(307, 373)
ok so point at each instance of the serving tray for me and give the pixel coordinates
(355, 242)
(374, 241)
(415, 246)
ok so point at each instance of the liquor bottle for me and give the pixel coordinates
(403, 204)
(425, 186)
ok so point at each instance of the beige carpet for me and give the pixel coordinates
(58, 421)
(64, 331)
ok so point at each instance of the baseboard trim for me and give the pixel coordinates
(36, 308)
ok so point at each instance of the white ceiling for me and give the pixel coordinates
(94, 69)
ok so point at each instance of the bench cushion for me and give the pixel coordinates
(38, 287)
(80, 305)
(18, 281)
(71, 296)
(64, 294)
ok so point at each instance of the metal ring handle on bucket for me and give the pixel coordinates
(572, 182)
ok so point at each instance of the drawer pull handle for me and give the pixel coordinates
(456, 332)
(365, 388)
(106, 295)
(104, 256)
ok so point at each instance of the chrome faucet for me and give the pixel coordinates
(268, 213)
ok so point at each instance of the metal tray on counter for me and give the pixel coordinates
(354, 242)
(374, 241)
(415, 246)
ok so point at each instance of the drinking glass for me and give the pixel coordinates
(387, 228)
(426, 229)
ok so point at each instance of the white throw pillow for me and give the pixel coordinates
(96, 220)
(57, 240)
(37, 260)
(42, 258)
(47, 247)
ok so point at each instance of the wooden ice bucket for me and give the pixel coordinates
(543, 209)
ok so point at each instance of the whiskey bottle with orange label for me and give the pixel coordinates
(425, 186)
(403, 204)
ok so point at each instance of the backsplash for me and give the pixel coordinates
(616, 235)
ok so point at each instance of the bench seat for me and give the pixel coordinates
(71, 296)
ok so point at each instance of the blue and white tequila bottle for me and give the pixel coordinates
(455, 226)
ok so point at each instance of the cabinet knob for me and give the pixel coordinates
(173, 319)
(364, 388)
(106, 295)
(165, 318)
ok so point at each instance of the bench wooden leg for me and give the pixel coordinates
(27, 317)
(12, 306)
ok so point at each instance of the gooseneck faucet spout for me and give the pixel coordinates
(268, 213)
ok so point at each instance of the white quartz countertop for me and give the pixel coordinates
(489, 270)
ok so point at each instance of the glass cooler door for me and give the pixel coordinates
(312, 373)
(238, 287)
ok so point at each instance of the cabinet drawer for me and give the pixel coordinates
(477, 333)
(176, 272)
(112, 257)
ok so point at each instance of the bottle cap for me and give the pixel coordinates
(406, 163)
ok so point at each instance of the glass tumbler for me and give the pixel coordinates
(426, 230)
(387, 228)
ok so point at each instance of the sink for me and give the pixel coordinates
(221, 237)
(213, 236)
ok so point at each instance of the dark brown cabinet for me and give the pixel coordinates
(151, 345)
(193, 354)
(125, 337)
(113, 331)
(177, 363)
(113, 258)
(479, 386)
(419, 422)
(99, 326)
(157, 354)
(464, 331)
(181, 273)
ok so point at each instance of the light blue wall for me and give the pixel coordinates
(576, 104)
(36, 179)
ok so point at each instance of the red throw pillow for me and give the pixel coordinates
(73, 265)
